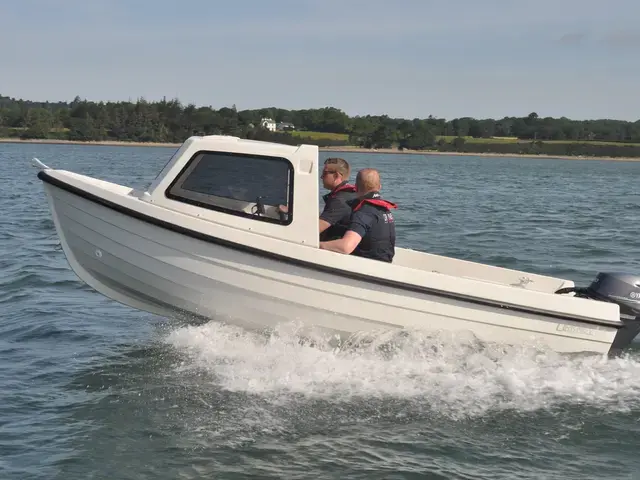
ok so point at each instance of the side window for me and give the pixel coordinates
(239, 184)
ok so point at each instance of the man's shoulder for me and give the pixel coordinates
(335, 210)
(341, 200)
(363, 215)
(344, 196)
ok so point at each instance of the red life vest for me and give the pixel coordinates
(347, 187)
(375, 199)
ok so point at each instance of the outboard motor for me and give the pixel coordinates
(619, 288)
(622, 289)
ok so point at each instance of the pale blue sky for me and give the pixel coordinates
(406, 58)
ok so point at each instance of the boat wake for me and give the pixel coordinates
(454, 375)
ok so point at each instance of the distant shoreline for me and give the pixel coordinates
(106, 143)
(344, 149)
(471, 154)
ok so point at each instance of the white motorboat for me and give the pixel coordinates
(206, 239)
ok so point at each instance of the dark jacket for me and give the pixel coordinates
(337, 211)
(372, 219)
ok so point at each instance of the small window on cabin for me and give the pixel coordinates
(240, 184)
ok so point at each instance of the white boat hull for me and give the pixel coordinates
(156, 269)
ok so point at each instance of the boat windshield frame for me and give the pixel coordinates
(232, 205)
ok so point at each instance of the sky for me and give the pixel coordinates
(403, 58)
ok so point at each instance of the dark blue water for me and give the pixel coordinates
(92, 389)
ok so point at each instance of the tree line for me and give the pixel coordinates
(171, 121)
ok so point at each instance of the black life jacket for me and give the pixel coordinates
(345, 192)
(379, 243)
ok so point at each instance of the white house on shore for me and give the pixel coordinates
(269, 124)
(272, 126)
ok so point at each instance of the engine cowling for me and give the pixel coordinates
(620, 288)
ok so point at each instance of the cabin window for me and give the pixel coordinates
(251, 186)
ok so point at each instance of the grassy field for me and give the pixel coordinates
(592, 142)
(495, 140)
(345, 137)
(449, 138)
(321, 135)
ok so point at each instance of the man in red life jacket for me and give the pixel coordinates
(371, 232)
(336, 214)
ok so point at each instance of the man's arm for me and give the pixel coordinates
(323, 225)
(359, 226)
(330, 215)
(334, 210)
(346, 244)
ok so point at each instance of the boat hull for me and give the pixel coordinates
(161, 271)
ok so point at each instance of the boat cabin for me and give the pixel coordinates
(267, 188)
(240, 184)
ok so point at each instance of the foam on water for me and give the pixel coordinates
(453, 374)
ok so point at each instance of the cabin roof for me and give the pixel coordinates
(224, 143)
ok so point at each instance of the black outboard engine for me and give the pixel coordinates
(622, 289)
(619, 288)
